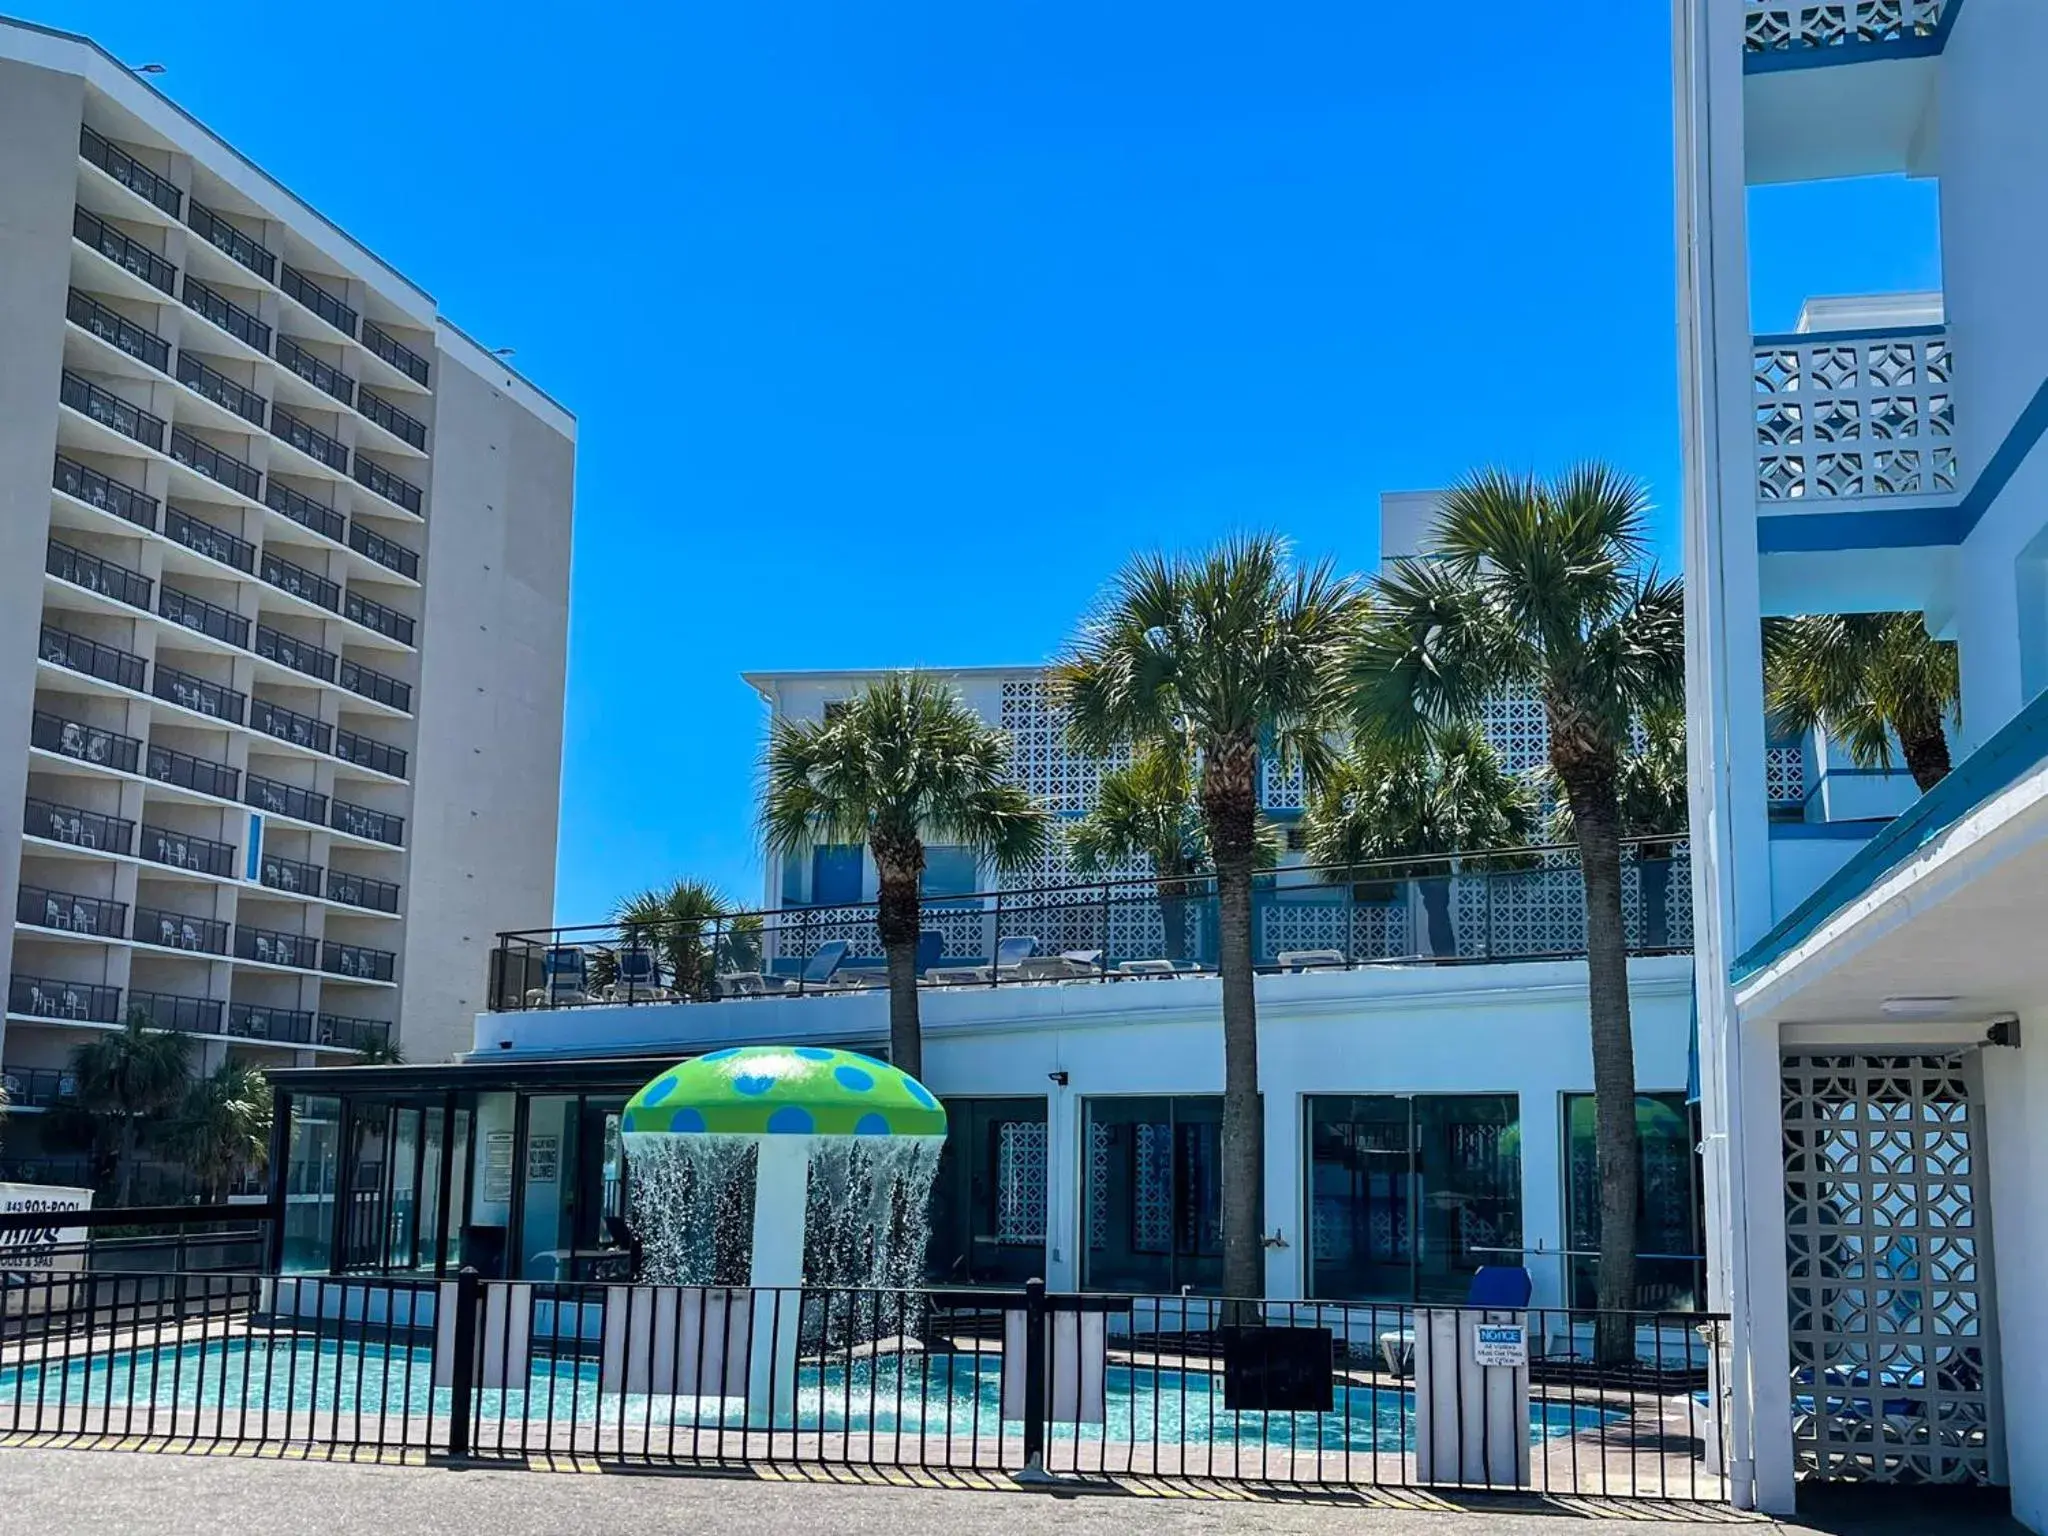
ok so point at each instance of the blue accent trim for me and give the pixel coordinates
(1829, 338)
(1829, 831)
(255, 862)
(1914, 527)
(2020, 746)
(2026, 433)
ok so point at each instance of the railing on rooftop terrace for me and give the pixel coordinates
(1782, 26)
(1525, 904)
(1847, 416)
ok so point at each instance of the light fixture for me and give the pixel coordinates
(146, 69)
(1919, 1007)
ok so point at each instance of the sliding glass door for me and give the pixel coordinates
(1154, 1209)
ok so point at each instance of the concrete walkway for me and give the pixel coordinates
(145, 1493)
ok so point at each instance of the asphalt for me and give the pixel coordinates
(145, 1492)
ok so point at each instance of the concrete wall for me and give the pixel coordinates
(494, 654)
(40, 112)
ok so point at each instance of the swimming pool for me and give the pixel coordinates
(954, 1395)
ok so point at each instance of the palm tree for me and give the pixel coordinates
(673, 921)
(1146, 810)
(133, 1075)
(1215, 654)
(904, 760)
(222, 1129)
(1420, 799)
(1548, 588)
(380, 1053)
(1866, 678)
(1650, 789)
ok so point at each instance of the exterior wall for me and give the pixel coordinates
(2016, 1111)
(487, 786)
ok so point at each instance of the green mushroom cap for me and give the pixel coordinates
(784, 1090)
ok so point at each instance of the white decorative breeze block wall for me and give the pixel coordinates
(1775, 26)
(1845, 418)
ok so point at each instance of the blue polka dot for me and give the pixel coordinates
(853, 1078)
(919, 1092)
(790, 1120)
(687, 1121)
(663, 1088)
(813, 1053)
(725, 1055)
(752, 1083)
(871, 1124)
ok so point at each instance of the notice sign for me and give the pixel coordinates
(497, 1167)
(1505, 1344)
(543, 1159)
(37, 1247)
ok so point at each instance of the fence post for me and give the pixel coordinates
(1034, 1383)
(462, 1373)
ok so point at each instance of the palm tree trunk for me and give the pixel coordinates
(124, 1176)
(1173, 908)
(1926, 757)
(1229, 805)
(896, 917)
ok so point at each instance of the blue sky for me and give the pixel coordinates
(892, 329)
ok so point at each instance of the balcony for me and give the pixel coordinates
(81, 829)
(299, 655)
(104, 492)
(118, 331)
(395, 352)
(39, 1087)
(87, 743)
(214, 464)
(75, 1002)
(218, 232)
(66, 913)
(304, 510)
(201, 775)
(201, 695)
(318, 300)
(123, 250)
(220, 389)
(362, 891)
(357, 962)
(204, 538)
(111, 411)
(379, 826)
(394, 421)
(300, 582)
(324, 377)
(178, 930)
(129, 171)
(392, 556)
(254, 1021)
(388, 622)
(281, 799)
(365, 753)
(105, 662)
(374, 685)
(268, 946)
(309, 440)
(290, 876)
(97, 575)
(170, 1010)
(1838, 88)
(393, 488)
(210, 302)
(1773, 27)
(202, 617)
(352, 1033)
(306, 731)
(188, 851)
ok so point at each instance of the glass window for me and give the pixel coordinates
(989, 1201)
(950, 871)
(1671, 1266)
(312, 1162)
(547, 1221)
(837, 870)
(1154, 1195)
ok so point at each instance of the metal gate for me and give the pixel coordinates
(1889, 1267)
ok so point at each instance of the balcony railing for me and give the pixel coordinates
(203, 299)
(304, 510)
(187, 850)
(392, 556)
(270, 947)
(90, 915)
(214, 464)
(388, 622)
(393, 420)
(309, 439)
(220, 389)
(357, 961)
(380, 826)
(352, 1033)
(97, 575)
(281, 799)
(202, 617)
(1789, 26)
(375, 685)
(201, 775)
(1521, 905)
(105, 662)
(81, 1002)
(81, 829)
(289, 725)
(1844, 418)
(111, 411)
(300, 582)
(324, 377)
(186, 1015)
(204, 539)
(87, 743)
(365, 753)
(395, 352)
(180, 930)
(39, 1087)
(217, 231)
(117, 330)
(290, 876)
(318, 300)
(362, 891)
(123, 250)
(299, 655)
(129, 171)
(104, 492)
(393, 488)
(201, 695)
(256, 1021)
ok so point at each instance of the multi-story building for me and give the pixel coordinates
(283, 604)
(1877, 1147)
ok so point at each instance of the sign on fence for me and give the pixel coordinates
(1500, 1344)
(42, 1250)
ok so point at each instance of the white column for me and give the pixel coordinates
(1543, 1182)
(1066, 1172)
(781, 1199)
(1285, 1178)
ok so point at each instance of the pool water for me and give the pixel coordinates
(937, 1394)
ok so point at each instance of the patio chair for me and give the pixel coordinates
(1010, 956)
(1068, 965)
(1140, 968)
(564, 968)
(1313, 960)
(816, 976)
(638, 979)
(1495, 1287)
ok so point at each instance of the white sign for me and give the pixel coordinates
(1500, 1344)
(37, 1247)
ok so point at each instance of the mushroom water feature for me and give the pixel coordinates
(780, 1166)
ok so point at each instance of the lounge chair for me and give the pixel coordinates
(638, 980)
(1495, 1287)
(1011, 954)
(816, 975)
(1313, 960)
(1068, 965)
(564, 970)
